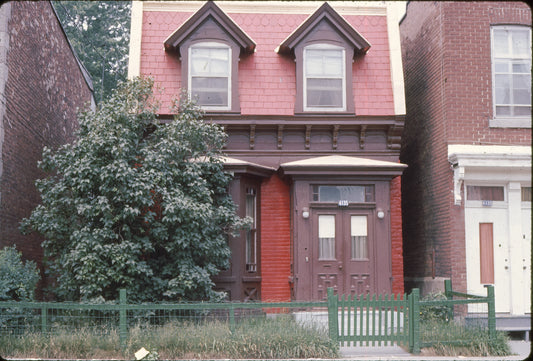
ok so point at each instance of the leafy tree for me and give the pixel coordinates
(18, 279)
(99, 31)
(136, 203)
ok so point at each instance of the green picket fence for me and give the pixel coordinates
(368, 320)
(376, 320)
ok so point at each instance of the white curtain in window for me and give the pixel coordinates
(359, 233)
(326, 237)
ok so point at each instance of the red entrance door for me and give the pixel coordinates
(343, 252)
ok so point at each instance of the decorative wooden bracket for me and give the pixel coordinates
(280, 136)
(362, 136)
(252, 136)
(308, 136)
(336, 128)
(394, 140)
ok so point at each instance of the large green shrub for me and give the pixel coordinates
(136, 203)
(18, 279)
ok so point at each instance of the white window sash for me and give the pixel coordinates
(509, 58)
(341, 77)
(213, 75)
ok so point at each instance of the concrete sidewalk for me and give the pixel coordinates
(520, 349)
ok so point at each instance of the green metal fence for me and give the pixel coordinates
(372, 320)
(49, 318)
(368, 320)
(351, 320)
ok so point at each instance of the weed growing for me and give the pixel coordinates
(458, 340)
(278, 337)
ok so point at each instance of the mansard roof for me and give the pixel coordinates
(325, 12)
(210, 10)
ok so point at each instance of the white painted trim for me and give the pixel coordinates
(468, 161)
(134, 59)
(488, 155)
(395, 11)
(272, 7)
(510, 122)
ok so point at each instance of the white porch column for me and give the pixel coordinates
(514, 214)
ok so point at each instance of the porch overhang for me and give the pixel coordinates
(486, 163)
(238, 166)
(338, 165)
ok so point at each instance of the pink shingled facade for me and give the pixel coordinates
(267, 82)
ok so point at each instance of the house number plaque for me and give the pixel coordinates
(343, 203)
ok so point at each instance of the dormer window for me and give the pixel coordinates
(324, 78)
(324, 47)
(209, 45)
(210, 75)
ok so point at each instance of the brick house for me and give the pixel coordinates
(311, 96)
(42, 84)
(467, 141)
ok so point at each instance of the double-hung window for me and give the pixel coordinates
(324, 78)
(511, 71)
(210, 75)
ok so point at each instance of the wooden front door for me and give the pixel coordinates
(343, 252)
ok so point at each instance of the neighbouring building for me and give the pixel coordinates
(311, 96)
(467, 142)
(42, 85)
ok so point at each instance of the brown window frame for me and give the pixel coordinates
(234, 106)
(300, 105)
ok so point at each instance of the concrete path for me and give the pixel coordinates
(521, 349)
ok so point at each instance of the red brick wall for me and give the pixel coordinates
(447, 65)
(44, 88)
(423, 139)
(396, 235)
(275, 240)
(468, 89)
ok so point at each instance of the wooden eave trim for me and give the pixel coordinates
(263, 172)
(238, 35)
(296, 119)
(359, 43)
(341, 171)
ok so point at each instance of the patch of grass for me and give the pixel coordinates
(458, 340)
(280, 337)
(83, 343)
(262, 337)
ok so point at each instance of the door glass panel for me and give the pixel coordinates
(326, 237)
(352, 194)
(251, 239)
(359, 235)
(483, 193)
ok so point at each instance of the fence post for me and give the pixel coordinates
(44, 320)
(231, 318)
(491, 310)
(123, 322)
(448, 292)
(333, 315)
(414, 321)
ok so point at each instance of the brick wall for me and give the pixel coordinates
(396, 235)
(275, 240)
(447, 65)
(423, 136)
(43, 89)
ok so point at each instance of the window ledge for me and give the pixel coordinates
(324, 113)
(510, 123)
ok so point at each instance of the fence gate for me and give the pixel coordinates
(369, 320)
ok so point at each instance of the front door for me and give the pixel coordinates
(343, 250)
